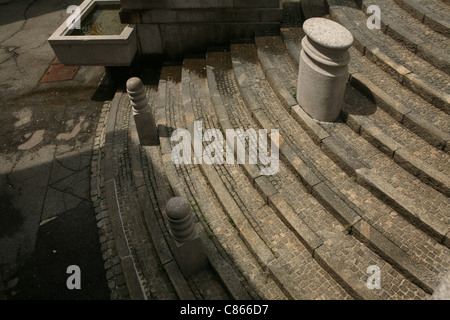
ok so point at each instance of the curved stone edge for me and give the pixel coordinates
(112, 262)
(157, 235)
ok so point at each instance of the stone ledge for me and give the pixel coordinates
(196, 4)
(227, 15)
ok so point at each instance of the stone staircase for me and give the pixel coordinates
(371, 189)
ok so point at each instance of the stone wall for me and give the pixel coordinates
(174, 27)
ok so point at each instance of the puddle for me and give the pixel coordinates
(103, 20)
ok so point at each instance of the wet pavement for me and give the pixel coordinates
(47, 222)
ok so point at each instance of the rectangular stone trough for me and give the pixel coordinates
(94, 50)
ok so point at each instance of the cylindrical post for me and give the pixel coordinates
(143, 117)
(186, 244)
(181, 222)
(323, 70)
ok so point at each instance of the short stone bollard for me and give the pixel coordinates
(188, 250)
(323, 70)
(143, 117)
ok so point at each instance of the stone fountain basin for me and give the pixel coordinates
(98, 50)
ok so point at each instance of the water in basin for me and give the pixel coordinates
(101, 21)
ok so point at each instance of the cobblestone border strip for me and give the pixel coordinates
(112, 265)
(124, 279)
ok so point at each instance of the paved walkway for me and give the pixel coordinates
(47, 221)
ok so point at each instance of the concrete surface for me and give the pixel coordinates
(47, 222)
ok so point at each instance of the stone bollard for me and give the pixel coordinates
(143, 117)
(188, 250)
(323, 70)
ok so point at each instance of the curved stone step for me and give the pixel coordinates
(407, 108)
(352, 153)
(138, 258)
(407, 68)
(248, 209)
(284, 191)
(341, 200)
(419, 116)
(433, 13)
(153, 193)
(417, 37)
(407, 149)
(188, 181)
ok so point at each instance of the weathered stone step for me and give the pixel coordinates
(433, 13)
(418, 115)
(352, 152)
(188, 181)
(248, 209)
(417, 37)
(408, 150)
(407, 108)
(153, 193)
(138, 254)
(407, 68)
(338, 202)
(267, 112)
(425, 206)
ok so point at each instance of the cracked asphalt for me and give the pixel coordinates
(47, 222)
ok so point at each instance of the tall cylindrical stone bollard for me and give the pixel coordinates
(143, 117)
(186, 243)
(323, 70)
